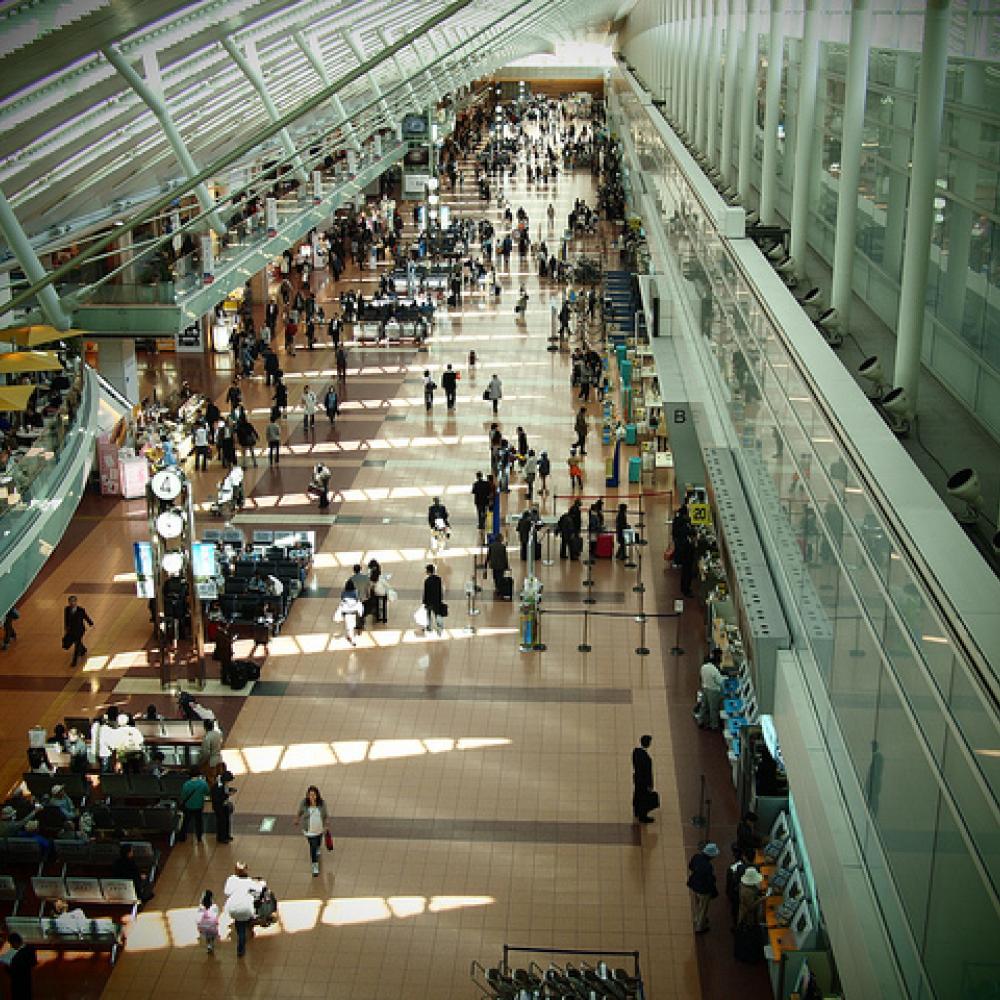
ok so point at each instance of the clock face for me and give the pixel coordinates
(170, 524)
(173, 563)
(167, 484)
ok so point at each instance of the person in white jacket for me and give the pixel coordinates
(309, 404)
(348, 610)
(241, 891)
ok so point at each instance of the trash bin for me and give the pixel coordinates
(635, 469)
(626, 370)
(630, 434)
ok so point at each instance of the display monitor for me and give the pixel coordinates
(802, 925)
(779, 828)
(795, 888)
(788, 858)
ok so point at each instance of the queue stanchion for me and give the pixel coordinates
(642, 649)
(585, 646)
(629, 540)
(677, 648)
(589, 583)
(640, 587)
(641, 537)
(472, 588)
(589, 561)
(548, 560)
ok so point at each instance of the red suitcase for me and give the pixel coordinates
(605, 547)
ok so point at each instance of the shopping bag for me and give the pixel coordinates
(420, 617)
(328, 840)
(338, 616)
(391, 595)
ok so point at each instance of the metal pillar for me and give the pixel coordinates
(250, 68)
(704, 72)
(769, 160)
(352, 43)
(384, 39)
(923, 182)
(150, 93)
(959, 215)
(903, 104)
(850, 158)
(714, 73)
(694, 69)
(805, 135)
(729, 95)
(20, 246)
(308, 47)
(748, 102)
(678, 62)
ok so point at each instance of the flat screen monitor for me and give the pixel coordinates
(779, 828)
(795, 888)
(788, 858)
(802, 925)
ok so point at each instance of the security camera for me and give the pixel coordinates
(812, 299)
(871, 370)
(828, 323)
(753, 217)
(965, 486)
(777, 253)
(897, 405)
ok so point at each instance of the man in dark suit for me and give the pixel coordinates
(449, 380)
(642, 780)
(433, 600)
(19, 961)
(75, 622)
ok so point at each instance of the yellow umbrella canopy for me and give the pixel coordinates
(32, 336)
(15, 397)
(18, 362)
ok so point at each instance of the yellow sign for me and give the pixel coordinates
(701, 514)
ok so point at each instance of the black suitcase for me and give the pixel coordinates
(238, 675)
(575, 547)
(506, 589)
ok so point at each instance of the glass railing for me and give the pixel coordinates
(915, 719)
(251, 233)
(34, 463)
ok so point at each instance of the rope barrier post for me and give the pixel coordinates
(585, 646)
(629, 546)
(642, 649)
(589, 561)
(473, 588)
(640, 587)
(677, 648)
(589, 583)
(548, 560)
(641, 538)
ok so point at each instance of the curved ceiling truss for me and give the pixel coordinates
(76, 137)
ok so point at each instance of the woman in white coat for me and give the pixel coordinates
(241, 891)
(348, 610)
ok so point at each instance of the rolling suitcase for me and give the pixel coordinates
(575, 547)
(605, 547)
(506, 589)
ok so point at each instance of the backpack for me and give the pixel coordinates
(265, 906)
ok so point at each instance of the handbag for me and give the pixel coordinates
(652, 800)
(328, 840)
(444, 610)
(486, 395)
(67, 641)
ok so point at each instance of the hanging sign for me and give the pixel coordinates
(271, 216)
(317, 179)
(377, 144)
(352, 162)
(207, 260)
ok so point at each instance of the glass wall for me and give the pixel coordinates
(902, 711)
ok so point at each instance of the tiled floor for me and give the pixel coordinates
(480, 795)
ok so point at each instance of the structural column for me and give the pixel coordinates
(384, 39)
(116, 362)
(748, 102)
(694, 69)
(714, 72)
(150, 92)
(769, 160)
(805, 135)
(24, 252)
(310, 51)
(923, 184)
(680, 39)
(905, 80)
(729, 95)
(352, 43)
(850, 159)
(251, 70)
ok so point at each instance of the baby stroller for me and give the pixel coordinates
(440, 534)
(229, 497)
(265, 905)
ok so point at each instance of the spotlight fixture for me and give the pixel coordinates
(753, 217)
(965, 486)
(871, 370)
(897, 405)
(812, 298)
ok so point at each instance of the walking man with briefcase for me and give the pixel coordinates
(644, 797)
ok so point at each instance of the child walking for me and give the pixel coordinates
(208, 921)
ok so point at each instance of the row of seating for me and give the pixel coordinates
(100, 935)
(149, 822)
(18, 852)
(143, 786)
(83, 889)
